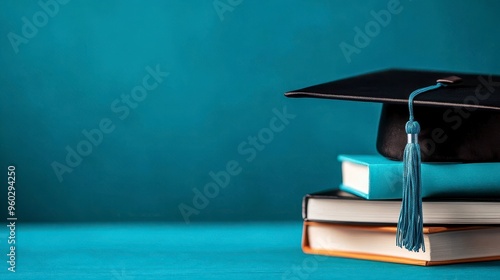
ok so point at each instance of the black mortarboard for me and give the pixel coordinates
(454, 116)
(459, 122)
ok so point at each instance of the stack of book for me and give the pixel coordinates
(448, 121)
(461, 210)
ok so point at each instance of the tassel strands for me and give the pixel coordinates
(409, 232)
(410, 225)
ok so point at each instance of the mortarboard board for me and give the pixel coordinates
(458, 121)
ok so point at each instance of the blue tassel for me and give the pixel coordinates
(410, 230)
(410, 224)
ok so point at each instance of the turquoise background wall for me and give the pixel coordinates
(174, 110)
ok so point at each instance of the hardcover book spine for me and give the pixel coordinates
(450, 179)
(386, 181)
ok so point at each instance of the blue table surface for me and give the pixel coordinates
(197, 251)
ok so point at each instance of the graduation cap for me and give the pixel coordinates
(426, 116)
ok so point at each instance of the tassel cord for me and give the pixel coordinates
(417, 92)
(409, 232)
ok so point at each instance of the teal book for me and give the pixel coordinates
(376, 177)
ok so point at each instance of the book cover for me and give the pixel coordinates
(376, 177)
(444, 245)
(341, 207)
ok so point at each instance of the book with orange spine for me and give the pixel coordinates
(443, 244)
